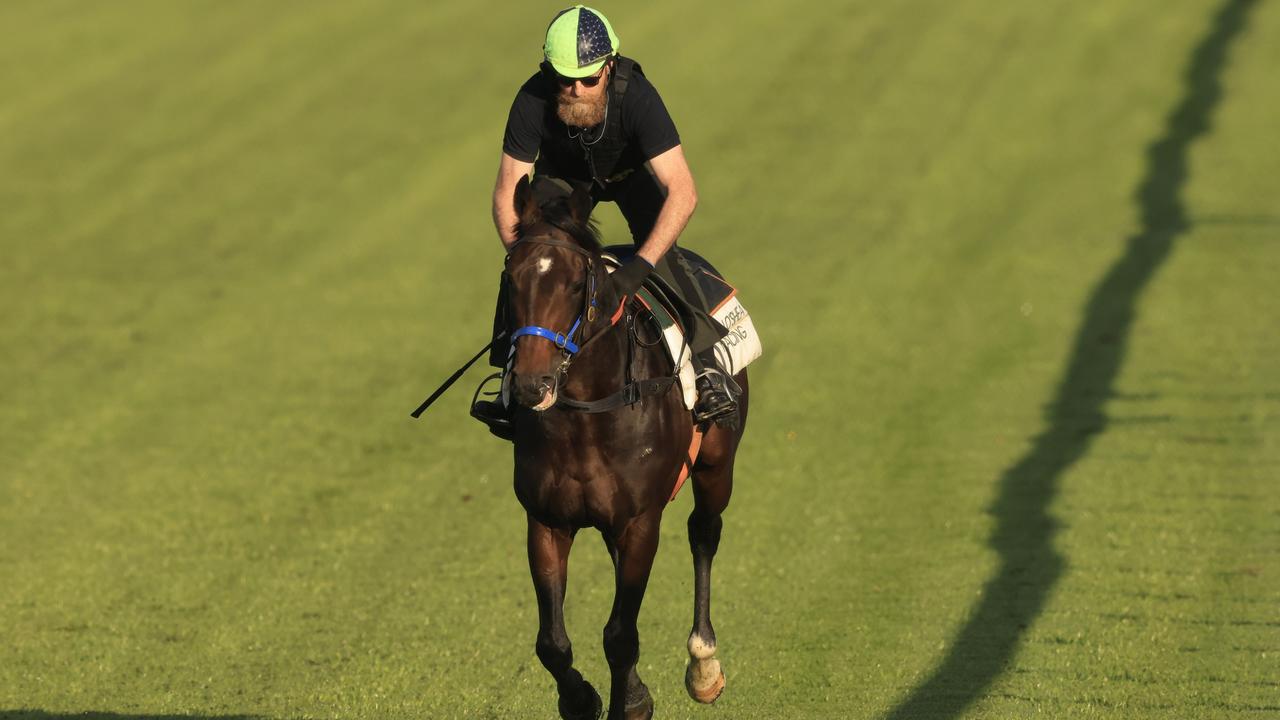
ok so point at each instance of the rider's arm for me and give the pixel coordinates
(672, 172)
(510, 170)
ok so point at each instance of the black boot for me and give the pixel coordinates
(492, 412)
(496, 416)
(716, 401)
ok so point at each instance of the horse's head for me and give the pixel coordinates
(554, 277)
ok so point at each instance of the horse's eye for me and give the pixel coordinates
(577, 286)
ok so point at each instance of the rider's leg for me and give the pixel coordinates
(493, 412)
(640, 198)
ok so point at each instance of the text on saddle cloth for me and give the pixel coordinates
(737, 349)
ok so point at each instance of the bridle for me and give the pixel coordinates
(632, 390)
(569, 345)
(564, 341)
(567, 342)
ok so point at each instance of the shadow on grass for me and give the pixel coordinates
(1023, 537)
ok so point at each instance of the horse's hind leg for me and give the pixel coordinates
(633, 551)
(712, 485)
(548, 564)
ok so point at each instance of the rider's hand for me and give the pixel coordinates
(627, 279)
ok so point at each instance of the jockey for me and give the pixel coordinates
(590, 118)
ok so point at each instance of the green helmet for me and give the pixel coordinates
(579, 41)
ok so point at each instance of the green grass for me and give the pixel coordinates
(1014, 441)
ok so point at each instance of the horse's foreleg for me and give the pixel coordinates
(704, 679)
(633, 553)
(548, 564)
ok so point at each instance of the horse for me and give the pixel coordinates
(595, 448)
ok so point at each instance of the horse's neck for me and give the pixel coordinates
(600, 368)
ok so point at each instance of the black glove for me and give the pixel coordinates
(627, 279)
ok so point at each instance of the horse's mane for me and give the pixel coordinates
(555, 212)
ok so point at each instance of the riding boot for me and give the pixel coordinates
(496, 415)
(493, 413)
(716, 400)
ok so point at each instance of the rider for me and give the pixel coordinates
(590, 118)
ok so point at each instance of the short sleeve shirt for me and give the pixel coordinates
(534, 133)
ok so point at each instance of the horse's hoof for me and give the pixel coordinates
(704, 680)
(643, 711)
(639, 705)
(590, 706)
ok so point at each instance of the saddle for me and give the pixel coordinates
(737, 348)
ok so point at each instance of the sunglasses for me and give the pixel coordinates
(588, 81)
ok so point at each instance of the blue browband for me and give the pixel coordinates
(564, 342)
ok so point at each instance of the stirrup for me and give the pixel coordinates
(492, 412)
(731, 386)
(719, 404)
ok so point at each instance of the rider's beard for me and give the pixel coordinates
(582, 112)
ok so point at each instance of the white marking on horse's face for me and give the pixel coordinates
(544, 265)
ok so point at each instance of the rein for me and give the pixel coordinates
(633, 390)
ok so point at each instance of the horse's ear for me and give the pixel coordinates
(526, 206)
(580, 205)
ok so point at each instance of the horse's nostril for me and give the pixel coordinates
(530, 390)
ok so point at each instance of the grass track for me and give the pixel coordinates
(241, 241)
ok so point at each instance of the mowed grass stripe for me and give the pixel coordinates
(172, 130)
(830, 470)
(141, 490)
(194, 242)
(219, 548)
(1205, 359)
(96, 152)
(888, 267)
(904, 295)
(201, 377)
(961, 405)
(1110, 514)
(88, 51)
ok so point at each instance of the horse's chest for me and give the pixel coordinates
(584, 491)
(558, 499)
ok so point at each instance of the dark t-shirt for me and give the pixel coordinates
(535, 133)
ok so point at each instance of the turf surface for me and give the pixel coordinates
(1015, 439)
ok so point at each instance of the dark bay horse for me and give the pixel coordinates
(601, 445)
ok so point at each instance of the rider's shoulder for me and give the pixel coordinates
(536, 87)
(638, 84)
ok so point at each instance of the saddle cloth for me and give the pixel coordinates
(737, 349)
